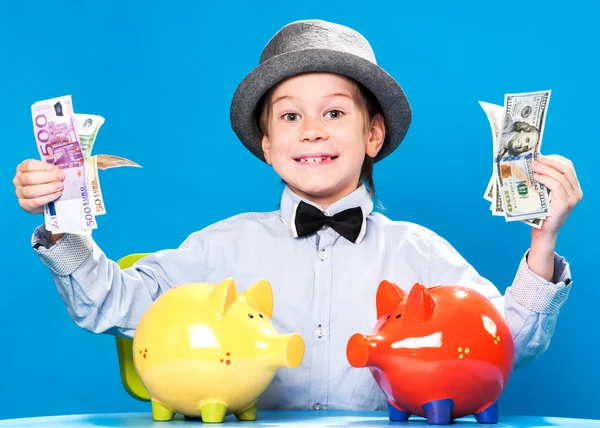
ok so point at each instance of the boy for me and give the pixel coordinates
(320, 111)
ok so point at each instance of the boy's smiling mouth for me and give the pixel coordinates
(317, 158)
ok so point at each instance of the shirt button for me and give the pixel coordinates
(323, 255)
(320, 332)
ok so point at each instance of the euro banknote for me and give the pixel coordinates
(66, 139)
(95, 163)
(88, 126)
(58, 143)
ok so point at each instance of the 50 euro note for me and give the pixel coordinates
(94, 163)
(58, 143)
(517, 130)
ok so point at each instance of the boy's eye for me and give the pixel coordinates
(334, 114)
(290, 117)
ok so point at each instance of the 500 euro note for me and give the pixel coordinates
(58, 143)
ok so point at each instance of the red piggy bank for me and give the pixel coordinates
(440, 353)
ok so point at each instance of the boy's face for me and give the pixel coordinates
(318, 134)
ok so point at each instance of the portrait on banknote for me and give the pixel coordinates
(517, 138)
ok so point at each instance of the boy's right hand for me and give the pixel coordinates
(36, 184)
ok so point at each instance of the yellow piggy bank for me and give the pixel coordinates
(203, 350)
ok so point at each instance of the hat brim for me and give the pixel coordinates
(388, 92)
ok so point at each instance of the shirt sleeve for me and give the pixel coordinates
(530, 305)
(103, 298)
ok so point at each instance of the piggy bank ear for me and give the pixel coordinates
(223, 296)
(261, 294)
(389, 296)
(420, 303)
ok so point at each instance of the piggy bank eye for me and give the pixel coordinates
(260, 315)
(250, 316)
(389, 316)
(398, 316)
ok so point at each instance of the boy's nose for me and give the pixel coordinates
(313, 130)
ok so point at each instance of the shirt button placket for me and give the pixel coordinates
(320, 368)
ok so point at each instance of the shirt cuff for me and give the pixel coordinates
(66, 255)
(538, 295)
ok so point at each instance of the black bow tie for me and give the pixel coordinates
(347, 223)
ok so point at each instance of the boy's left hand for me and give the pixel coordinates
(557, 173)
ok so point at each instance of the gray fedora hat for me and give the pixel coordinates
(318, 46)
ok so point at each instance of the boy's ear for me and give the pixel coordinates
(266, 147)
(376, 136)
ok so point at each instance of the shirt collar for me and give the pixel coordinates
(359, 198)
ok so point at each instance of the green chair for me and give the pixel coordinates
(129, 377)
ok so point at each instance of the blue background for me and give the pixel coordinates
(163, 76)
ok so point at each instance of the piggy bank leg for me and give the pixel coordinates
(160, 412)
(489, 415)
(213, 412)
(397, 415)
(439, 412)
(247, 415)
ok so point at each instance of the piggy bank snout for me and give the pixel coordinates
(357, 350)
(293, 350)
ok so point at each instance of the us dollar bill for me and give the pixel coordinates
(519, 144)
(517, 130)
(494, 115)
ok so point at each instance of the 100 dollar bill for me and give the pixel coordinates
(58, 143)
(495, 114)
(519, 143)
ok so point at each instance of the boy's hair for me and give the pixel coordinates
(369, 106)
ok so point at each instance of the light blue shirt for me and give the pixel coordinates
(324, 288)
